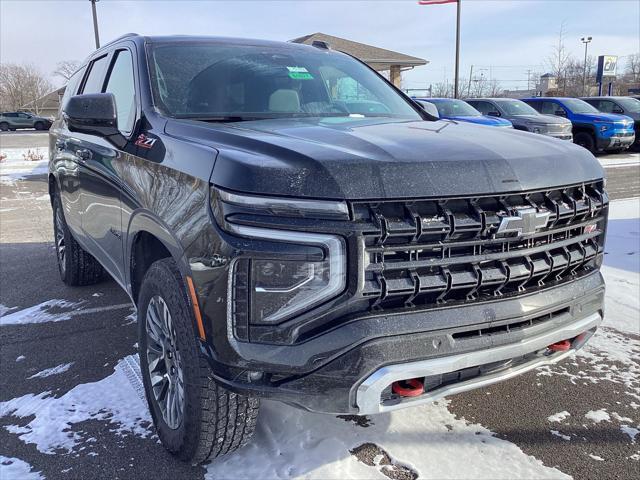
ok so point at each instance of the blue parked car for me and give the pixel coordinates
(592, 129)
(453, 109)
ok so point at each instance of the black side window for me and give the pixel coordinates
(535, 105)
(72, 87)
(121, 84)
(607, 106)
(484, 107)
(93, 83)
(551, 108)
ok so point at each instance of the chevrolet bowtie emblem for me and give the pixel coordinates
(526, 222)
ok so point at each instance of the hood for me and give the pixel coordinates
(546, 119)
(482, 120)
(602, 117)
(346, 158)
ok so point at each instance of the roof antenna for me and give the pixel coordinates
(320, 44)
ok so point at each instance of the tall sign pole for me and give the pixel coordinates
(455, 89)
(458, 8)
(95, 22)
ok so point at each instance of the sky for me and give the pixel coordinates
(502, 39)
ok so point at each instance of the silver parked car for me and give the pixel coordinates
(524, 117)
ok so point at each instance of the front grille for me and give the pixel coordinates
(431, 252)
(624, 134)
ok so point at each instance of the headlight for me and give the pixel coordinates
(537, 127)
(271, 290)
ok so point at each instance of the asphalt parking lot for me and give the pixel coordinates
(87, 331)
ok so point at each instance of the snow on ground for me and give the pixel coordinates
(49, 311)
(54, 311)
(111, 399)
(428, 440)
(16, 469)
(612, 354)
(598, 416)
(19, 163)
(57, 370)
(559, 417)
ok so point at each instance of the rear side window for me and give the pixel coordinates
(93, 83)
(606, 106)
(484, 107)
(551, 108)
(72, 87)
(121, 84)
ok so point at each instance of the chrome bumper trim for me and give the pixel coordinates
(368, 396)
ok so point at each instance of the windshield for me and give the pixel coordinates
(579, 106)
(226, 82)
(629, 104)
(516, 107)
(455, 108)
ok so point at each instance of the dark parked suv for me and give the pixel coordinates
(283, 239)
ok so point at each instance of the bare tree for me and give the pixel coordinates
(633, 66)
(66, 68)
(21, 85)
(560, 58)
(442, 89)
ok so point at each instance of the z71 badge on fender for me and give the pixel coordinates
(144, 141)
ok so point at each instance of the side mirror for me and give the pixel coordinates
(617, 110)
(94, 114)
(428, 107)
(560, 113)
(493, 114)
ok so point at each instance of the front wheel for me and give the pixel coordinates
(4, 126)
(39, 126)
(196, 418)
(585, 140)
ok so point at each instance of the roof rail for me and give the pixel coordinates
(321, 44)
(121, 37)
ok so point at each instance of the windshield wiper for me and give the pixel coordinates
(224, 118)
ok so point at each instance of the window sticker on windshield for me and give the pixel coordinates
(299, 73)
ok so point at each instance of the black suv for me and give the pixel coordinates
(291, 226)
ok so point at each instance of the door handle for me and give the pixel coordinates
(83, 154)
(61, 145)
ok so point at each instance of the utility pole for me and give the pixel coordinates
(455, 90)
(586, 41)
(528, 80)
(95, 22)
(470, 76)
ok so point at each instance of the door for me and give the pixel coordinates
(23, 120)
(102, 167)
(64, 162)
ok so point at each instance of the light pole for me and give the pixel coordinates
(586, 41)
(95, 22)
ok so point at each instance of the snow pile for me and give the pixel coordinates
(427, 439)
(111, 399)
(52, 371)
(14, 468)
(19, 163)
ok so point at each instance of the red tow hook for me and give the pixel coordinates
(561, 346)
(408, 388)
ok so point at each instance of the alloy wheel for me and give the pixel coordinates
(165, 366)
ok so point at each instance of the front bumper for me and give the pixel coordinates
(533, 350)
(349, 368)
(561, 136)
(623, 140)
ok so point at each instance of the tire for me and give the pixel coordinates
(38, 126)
(207, 420)
(585, 139)
(76, 266)
(4, 126)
